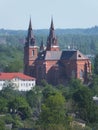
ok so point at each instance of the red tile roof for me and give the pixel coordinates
(9, 76)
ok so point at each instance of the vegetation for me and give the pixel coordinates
(49, 107)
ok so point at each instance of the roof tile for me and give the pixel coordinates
(9, 76)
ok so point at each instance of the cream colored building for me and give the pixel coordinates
(19, 81)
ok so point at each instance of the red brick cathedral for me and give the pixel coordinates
(50, 63)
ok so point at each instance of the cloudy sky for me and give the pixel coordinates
(15, 14)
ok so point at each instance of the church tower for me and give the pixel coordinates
(42, 47)
(30, 52)
(52, 44)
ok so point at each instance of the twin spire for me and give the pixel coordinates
(52, 25)
(51, 40)
(30, 40)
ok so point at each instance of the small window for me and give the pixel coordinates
(33, 53)
(81, 74)
(79, 55)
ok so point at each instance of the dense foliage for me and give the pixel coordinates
(48, 107)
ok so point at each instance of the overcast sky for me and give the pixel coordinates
(15, 14)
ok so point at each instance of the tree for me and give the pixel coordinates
(31, 98)
(3, 105)
(86, 108)
(94, 85)
(2, 125)
(48, 91)
(8, 91)
(96, 65)
(75, 84)
(20, 106)
(34, 97)
(14, 66)
(71, 88)
(17, 123)
(53, 110)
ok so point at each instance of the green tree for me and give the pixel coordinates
(75, 84)
(31, 98)
(53, 110)
(20, 106)
(34, 96)
(3, 105)
(8, 92)
(86, 108)
(2, 125)
(14, 66)
(94, 85)
(48, 91)
(71, 88)
(96, 65)
(17, 123)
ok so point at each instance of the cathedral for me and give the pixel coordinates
(52, 64)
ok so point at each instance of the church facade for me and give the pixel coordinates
(52, 64)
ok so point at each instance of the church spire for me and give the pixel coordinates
(42, 46)
(52, 34)
(30, 52)
(30, 25)
(52, 25)
(51, 40)
(30, 40)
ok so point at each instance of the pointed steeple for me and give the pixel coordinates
(30, 25)
(52, 25)
(51, 40)
(52, 34)
(30, 40)
(30, 52)
(42, 46)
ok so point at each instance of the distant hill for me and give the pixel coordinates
(12, 43)
(86, 40)
(87, 31)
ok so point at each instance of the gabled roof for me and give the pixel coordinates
(50, 55)
(67, 54)
(72, 55)
(10, 76)
(78, 56)
(53, 55)
(61, 55)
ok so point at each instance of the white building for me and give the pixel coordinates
(95, 98)
(20, 81)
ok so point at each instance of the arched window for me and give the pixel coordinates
(33, 53)
(81, 74)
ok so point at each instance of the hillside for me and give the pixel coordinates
(86, 31)
(12, 43)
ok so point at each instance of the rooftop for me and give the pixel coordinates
(62, 55)
(9, 76)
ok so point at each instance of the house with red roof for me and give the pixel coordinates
(20, 81)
